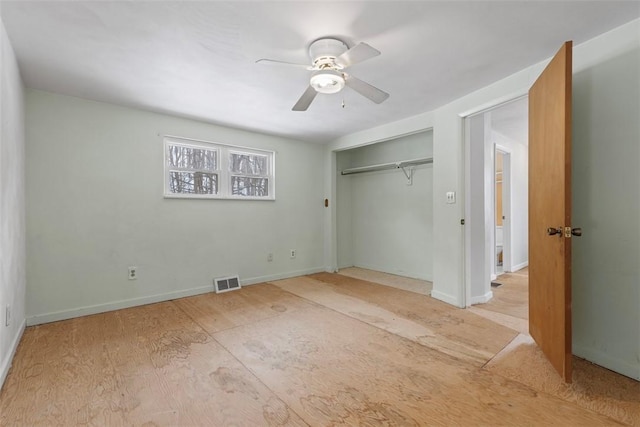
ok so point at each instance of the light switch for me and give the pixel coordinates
(451, 197)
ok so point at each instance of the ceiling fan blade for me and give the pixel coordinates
(358, 53)
(276, 62)
(305, 100)
(365, 89)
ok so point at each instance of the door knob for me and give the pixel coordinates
(576, 231)
(553, 231)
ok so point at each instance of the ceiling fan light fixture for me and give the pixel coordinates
(327, 81)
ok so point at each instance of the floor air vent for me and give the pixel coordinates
(225, 284)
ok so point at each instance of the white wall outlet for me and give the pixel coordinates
(133, 273)
(293, 253)
(7, 315)
(451, 197)
(269, 257)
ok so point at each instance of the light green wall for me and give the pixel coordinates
(606, 204)
(383, 223)
(95, 206)
(12, 204)
(344, 209)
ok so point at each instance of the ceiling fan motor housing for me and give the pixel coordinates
(324, 51)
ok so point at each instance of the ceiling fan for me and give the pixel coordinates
(329, 58)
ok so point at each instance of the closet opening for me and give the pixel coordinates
(384, 212)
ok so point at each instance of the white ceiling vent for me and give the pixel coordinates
(225, 284)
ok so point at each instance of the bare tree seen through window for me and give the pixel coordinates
(195, 170)
(193, 182)
(246, 186)
(249, 164)
(201, 169)
(256, 184)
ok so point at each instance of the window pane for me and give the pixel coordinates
(192, 158)
(245, 186)
(193, 182)
(249, 164)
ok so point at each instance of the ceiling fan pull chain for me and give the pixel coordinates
(342, 102)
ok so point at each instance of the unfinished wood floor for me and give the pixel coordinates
(593, 387)
(318, 350)
(408, 284)
(510, 303)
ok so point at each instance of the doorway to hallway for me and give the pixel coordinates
(496, 196)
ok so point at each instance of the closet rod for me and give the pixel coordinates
(385, 166)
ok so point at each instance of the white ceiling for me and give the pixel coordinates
(197, 59)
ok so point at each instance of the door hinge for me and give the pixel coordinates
(462, 221)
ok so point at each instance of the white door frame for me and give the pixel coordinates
(466, 179)
(479, 227)
(506, 207)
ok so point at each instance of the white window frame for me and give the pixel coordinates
(223, 170)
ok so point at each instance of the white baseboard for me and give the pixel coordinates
(382, 269)
(116, 305)
(620, 366)
(449, 299)
(482, 298)
(340, 267)
(494, 277)
(133, 302)
(6, 363)
(520, 266)
(262, 279)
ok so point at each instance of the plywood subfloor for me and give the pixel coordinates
(316, 350)
(344, 371)
(419, 318)
(151, 365)
(512, 298)
(510, 303)
(593, 387)
(400, 282)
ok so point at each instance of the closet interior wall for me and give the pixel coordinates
(383, 223)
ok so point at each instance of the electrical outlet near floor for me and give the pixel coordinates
(133, 273)
(269, 257)
(293, 253)
(7, 316)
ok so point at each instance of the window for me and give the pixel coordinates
(249, 174)
(198, 169)
(192, 170)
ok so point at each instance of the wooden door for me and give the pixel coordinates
(550, 211)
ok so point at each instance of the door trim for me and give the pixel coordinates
(466, 180)
(506, 203)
